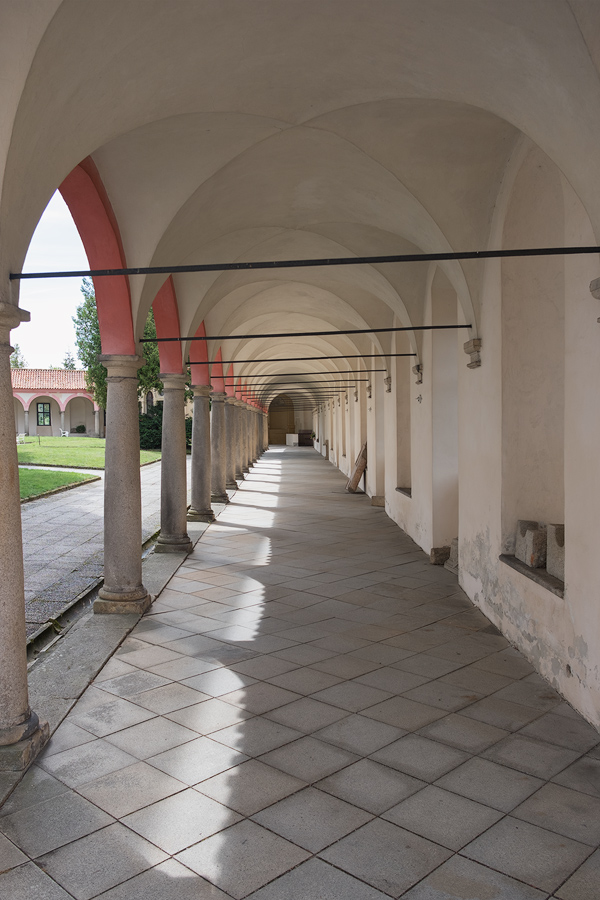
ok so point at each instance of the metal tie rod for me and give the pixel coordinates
(293, 334)
(229, 362)
(309, 263)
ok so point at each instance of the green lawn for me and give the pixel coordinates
(37, 481)
(77, 452)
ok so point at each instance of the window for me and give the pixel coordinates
(43, 414)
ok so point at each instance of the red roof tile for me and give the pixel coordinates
(48, 379)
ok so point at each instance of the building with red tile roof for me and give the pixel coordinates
(54, 401)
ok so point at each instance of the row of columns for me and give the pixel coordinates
(219, 457)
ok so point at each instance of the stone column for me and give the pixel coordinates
(22, 735)
(218, 447)
(245, 453)
(96, 423)
(239, 471)
(26, 421)
(173, 536)
(62, 421)
(123, 591)
(201, 510)
(230, 438)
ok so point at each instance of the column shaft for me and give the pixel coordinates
(230, 436)
(218, 447)
(21, 734)
(96, 423)
(201, 510)
(173, 536)
(62, 421)
(26, 421)
(123, 591)
(239, 469)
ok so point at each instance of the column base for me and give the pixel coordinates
(126, 603)
(239, 476)
(17, 757)
(231, 485)
(200, 515)
(219, 498)
(179, 543)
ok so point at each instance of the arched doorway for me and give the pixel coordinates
(281, 419)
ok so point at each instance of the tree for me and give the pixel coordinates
(17, 361)
(87, 340)
(69, 360)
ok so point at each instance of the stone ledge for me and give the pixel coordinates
(406, 491)
(540, 576)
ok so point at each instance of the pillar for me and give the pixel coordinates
(201, 510)
(22, 735)
(239, 431)
(123, 591)
(173, 536)
(26, 421)
(245, 425)
(96, 423)
(230, 440)
(218, 447)
(62, 420)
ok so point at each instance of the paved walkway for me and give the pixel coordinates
(310, 711)
(63, 543)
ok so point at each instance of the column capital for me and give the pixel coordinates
(201, 390)
(121, 366)
(231, 401)
(10, 317)
(172, 382)
(218, 396)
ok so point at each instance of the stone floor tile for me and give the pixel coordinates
(260, 697)
(66, 737)
(386, 856)
(501, 713)
(352, 696)
(109, 717)
(152, 737)
(458, 878)
(168, 698)
(128, 854)
(197, 760)
(307, 715)
(317, 880)
(572, 732)
(264, 667)
(506, 662)
(309, 759)
(242, 858)
(403, 713)
(167, 881)
(584, 884)
(113, 668)
(28, 882)
(474, 679)
(129, 789)
(391, 679)
(133, 683)
(10, 855)
(211, 715)
(534, 757)
(442, 695)
(370, 786)
(306, 654)
(305, 680)
(183, 667)
(250, 787)
(536, 693)
(312, 819)
(488, 783)
(86, 762)
(443, 817)
(256, 736)
(181, 820)
(218, 682)
(584, 775)
(465, 734)
(380, 653)
(36, 786)
(564, 811)
(359, 735)
(153, 655)
(418, 756)
(45, 826)
(528, 853)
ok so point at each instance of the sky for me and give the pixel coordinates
(52, 302)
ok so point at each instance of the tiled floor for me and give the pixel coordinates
(310, 712)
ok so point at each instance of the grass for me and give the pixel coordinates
(75, 452)
(34, 482)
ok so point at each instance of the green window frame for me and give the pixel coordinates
(43, 414)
